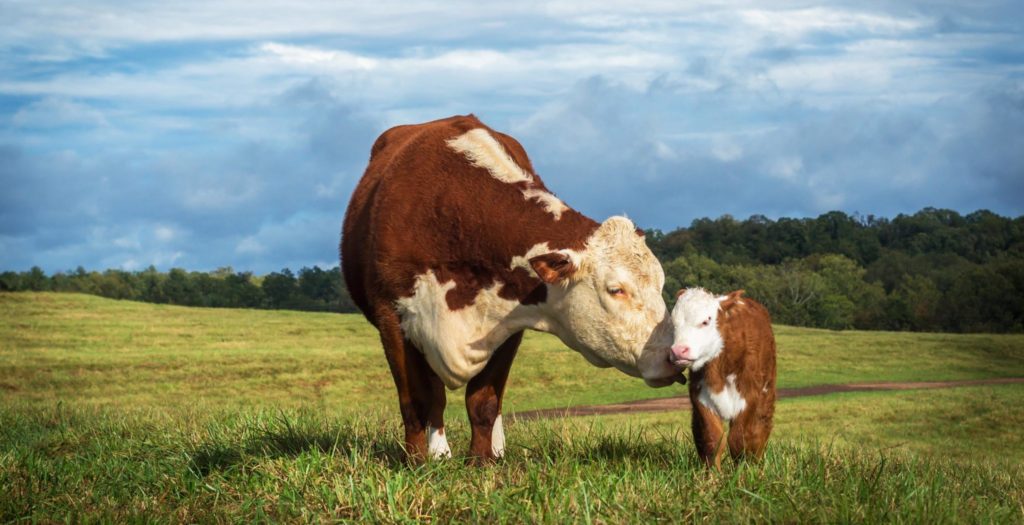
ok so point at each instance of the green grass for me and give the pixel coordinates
(120, 411)
(963, 425)
(300, 465)
(98, 352)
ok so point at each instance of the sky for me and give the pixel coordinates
(203, 134)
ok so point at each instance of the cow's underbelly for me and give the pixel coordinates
(458, 343)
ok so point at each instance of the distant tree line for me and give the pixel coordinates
(935, 270)
(313, 289)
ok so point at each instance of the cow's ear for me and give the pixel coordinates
(732, 299)
(553, 267)
(680, 293)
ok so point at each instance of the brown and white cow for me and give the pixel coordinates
(452, 246)
(727, 342)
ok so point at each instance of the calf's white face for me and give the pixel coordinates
(695, 325)
(608, 305)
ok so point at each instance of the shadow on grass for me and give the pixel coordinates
(590, 442)
(263, 436)
(283, 437)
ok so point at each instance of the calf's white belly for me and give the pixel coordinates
(727, 403)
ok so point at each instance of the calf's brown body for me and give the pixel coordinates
(748, 355)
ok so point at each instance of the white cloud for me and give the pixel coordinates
(786, 168)
(164, 233)
(250, 245)
(338, 60)
(56, 111)
(127, 242)
(726, 150)
(212, 197)
(797, 23)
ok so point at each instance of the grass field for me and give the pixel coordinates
(118, 411)
(100, 352)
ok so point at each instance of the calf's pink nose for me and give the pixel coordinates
(681, 352)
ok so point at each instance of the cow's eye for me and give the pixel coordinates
(615, 291)
(706, 322)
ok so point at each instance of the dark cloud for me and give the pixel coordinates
(608, 149)
(260, 206)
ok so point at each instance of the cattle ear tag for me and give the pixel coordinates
(552, 267)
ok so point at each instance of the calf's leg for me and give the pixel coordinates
(708, 432)
(748, 433)
(483, 403)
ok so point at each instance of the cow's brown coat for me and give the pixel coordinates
(421, 206)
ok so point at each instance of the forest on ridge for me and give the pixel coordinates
(934, 270)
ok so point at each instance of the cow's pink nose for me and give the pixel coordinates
(681, 352)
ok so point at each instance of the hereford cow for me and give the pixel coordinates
(452, 246)
(728, 344)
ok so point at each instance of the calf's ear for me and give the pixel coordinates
(732, 299)
(553, 267)
(680, 293)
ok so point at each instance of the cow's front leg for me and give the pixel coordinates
(483, 403)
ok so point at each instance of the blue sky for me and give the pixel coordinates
(206, 134)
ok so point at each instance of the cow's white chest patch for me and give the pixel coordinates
(483, 151)
(458, 343)
(727, 403)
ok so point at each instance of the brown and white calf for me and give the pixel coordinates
(727, 342)
(452, 246)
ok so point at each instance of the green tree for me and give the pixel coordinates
(35, 280)
(115, 284)
(151, 286)
(849, 301)
(10, 282)
(921, 301)
(241, 292)
(180, 288)
(279, 289)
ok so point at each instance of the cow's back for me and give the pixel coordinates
(421, 205)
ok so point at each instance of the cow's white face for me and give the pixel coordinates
(695, 325)
(607, 302)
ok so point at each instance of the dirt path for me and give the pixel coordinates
(683, 403)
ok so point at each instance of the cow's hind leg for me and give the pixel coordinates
(749, 431)
(421, 396)
(708, 431)
(483, 403)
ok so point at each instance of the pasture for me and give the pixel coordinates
(119, 410)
